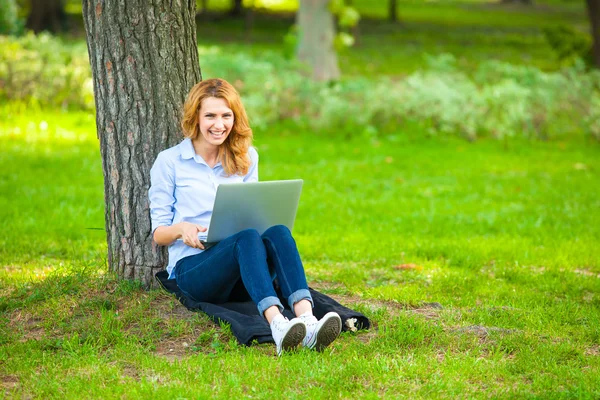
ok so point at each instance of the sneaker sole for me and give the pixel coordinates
(329, 332)
(293, 337)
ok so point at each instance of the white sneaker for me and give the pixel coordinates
(320, 334)
(287, 334)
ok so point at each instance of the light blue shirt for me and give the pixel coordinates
(183, 188)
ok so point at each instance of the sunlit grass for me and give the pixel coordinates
(502, 235)
(477, 263)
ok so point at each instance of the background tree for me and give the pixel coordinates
(316, 38)
(393, 10)
(144, 60)
(237, 8)
(47, 15)
(593, 7)
(316, 33)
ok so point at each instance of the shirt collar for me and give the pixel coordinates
(187, 149)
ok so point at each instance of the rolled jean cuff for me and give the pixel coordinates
(269, 302)
(302, 294)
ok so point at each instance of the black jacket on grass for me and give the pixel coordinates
(241, 312)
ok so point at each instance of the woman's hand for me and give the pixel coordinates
(189, 234)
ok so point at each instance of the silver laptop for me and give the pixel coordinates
(255, 205)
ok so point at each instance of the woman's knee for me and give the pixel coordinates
(251, 235)
(277, 230)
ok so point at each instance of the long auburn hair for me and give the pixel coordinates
(233, 153)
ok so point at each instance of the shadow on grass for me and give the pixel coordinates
(80, 309)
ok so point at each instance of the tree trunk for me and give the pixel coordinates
(237, 8)
(593, 7)
(46, 15)
(316, 32)
(144, 60)
(393, 10)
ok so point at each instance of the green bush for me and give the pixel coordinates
(44, 71)
(568, 44)
(499, 100)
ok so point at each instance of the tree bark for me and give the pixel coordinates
(593, 7)
(144, 60)
(316, 32)
(46, 15)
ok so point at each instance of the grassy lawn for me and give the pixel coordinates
(476, 262)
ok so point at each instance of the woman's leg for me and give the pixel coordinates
(211, 275)
(284, 257)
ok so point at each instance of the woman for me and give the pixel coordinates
(184, 179)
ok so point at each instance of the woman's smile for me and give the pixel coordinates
(215, 122)
(217, 134)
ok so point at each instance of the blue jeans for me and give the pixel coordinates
(212, 275)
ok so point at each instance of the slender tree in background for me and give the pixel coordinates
(237, 8)
(593, 7)
(393, 10)
(46, 15)
(316, 33)
(144, 60)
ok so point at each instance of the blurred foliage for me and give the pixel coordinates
(504, 100)
(568, 44)
(43, 70)
(347, 17)
(496, 100)
(499, 100)
(10, 22)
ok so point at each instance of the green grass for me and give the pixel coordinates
(503, 235)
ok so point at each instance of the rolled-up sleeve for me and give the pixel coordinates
(161, 192)
(252, 175)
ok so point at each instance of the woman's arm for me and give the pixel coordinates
(188, 232)
(162, 198)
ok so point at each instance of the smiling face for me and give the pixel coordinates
(215, 121)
